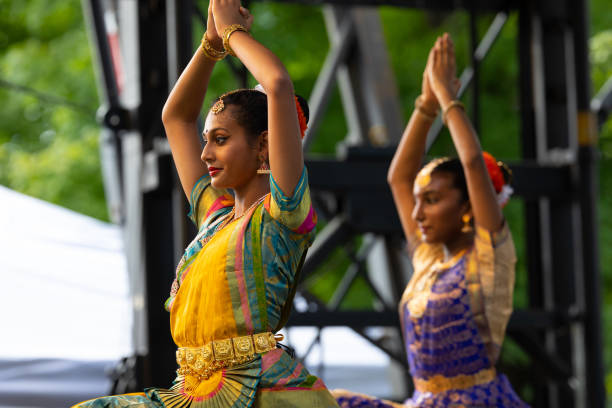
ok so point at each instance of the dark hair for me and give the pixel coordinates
(252, 109)
(455, 169)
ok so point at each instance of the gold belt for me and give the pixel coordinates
(202, 362)
(440, 383)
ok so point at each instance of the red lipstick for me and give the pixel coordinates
(213, 171)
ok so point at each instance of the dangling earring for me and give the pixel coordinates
(263, 169)
(467, 224)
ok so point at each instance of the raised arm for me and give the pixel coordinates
(182, 109)
(409, 154)
(442, 74)
(284, 142)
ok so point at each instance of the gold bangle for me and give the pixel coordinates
(418, 105)
(454, 104)
(210, 51)
(228, 32)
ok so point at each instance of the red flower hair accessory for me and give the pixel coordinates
(497, 177)
(501, 186)
(301, 117)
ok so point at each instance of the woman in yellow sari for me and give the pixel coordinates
(236, 280)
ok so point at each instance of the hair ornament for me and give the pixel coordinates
(497, 177)
(423, 178)
(504, 196)
(301, 117)
(218, 107)
(500, 184)
(260, 88)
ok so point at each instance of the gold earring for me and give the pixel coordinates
(263, 169)
(467, 224)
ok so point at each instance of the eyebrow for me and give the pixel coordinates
(427, 192)
(214, 130)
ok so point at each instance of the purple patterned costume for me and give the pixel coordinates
(454, 316)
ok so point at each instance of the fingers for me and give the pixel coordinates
(429, 63)
(444, 49)
(210, 9)
(248, 17)
(228, 12)
(451, 52)
(437, 54)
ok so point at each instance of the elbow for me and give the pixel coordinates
(279, 84)
(394, 180)
(391, 178)
(170, 116)
(394, 175)
(167, 115)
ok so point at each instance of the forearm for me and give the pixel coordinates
(284, 142)
(187, 96)
(480, 189)
(462, 133)
(409, 154)
(266, 68)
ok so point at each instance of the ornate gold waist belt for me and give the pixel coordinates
(202, 362)
(440, 383)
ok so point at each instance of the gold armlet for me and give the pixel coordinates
(418, 105)
(228, 32)
(211, 52)
(454, 104)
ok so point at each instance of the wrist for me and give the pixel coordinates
(428, 112)
(445, 97)
(229, 32)
(212, 52)
(215, 41)
(429, 103)
(453, 105)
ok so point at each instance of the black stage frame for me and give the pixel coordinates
(557, 177)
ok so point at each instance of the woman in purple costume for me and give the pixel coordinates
(456, 306)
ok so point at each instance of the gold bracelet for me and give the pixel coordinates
(454, 104)
(228, 32)
(210, 51)
(418, 105)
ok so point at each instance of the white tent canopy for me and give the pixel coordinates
(65, 283)
(66, 315)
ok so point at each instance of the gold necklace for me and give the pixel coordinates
(231, 216)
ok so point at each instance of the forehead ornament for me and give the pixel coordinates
(218, 106)
(424, 177)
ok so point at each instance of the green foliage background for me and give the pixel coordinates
(49, 136)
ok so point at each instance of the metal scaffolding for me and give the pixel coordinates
(557, 177)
